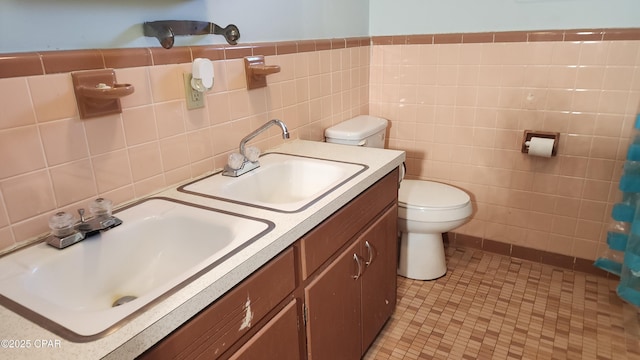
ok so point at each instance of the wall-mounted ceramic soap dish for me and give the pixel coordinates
(98, 93)
(256, 71)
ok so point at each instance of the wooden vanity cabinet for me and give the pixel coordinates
(349, 301)
(351, 297)
(342, 274)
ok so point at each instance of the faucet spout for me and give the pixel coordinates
(236, 169)
(260, 130)
(285, 131)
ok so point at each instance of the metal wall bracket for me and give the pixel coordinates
(166, 30)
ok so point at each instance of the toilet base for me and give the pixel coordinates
(422, 256)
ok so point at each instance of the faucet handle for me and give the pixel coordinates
(61, 224)
(101, 207)
(235, 161)
(252, 153)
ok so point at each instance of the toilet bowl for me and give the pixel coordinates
(426, 209)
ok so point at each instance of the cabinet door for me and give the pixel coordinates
(333, 310)
(332, 234)
(379, 248)
(278, 339)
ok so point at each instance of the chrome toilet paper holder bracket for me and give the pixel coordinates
(528, 134)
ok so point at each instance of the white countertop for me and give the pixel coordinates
(22, 339)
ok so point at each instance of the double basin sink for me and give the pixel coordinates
(91, 288)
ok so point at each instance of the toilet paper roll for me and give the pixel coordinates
(540, 146)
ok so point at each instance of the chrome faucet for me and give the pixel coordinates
(247, 162)
(65, 232)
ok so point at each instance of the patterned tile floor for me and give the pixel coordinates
(489, 306)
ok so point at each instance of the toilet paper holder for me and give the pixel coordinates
(528, 134)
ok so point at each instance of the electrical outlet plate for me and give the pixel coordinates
(195, 99)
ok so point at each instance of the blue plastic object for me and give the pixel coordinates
(627, 211)
(629, 287)
(617, 241)
(609, 266)
(630, 182)
(633, 153)
(623, 212)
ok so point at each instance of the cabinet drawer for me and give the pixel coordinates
(219, 326)
(320, 243)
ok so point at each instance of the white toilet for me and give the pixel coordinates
(426, 209)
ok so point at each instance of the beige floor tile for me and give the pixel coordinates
(490, 306)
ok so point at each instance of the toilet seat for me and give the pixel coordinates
(420, 194)
(420, 200)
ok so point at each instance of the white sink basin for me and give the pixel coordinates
(284, 183)
(161, 246)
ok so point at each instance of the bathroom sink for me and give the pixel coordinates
(87, 290)
(284, 183)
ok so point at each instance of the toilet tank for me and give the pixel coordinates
(362, 130)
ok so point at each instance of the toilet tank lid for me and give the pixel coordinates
(430, 194)
(358, 128)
